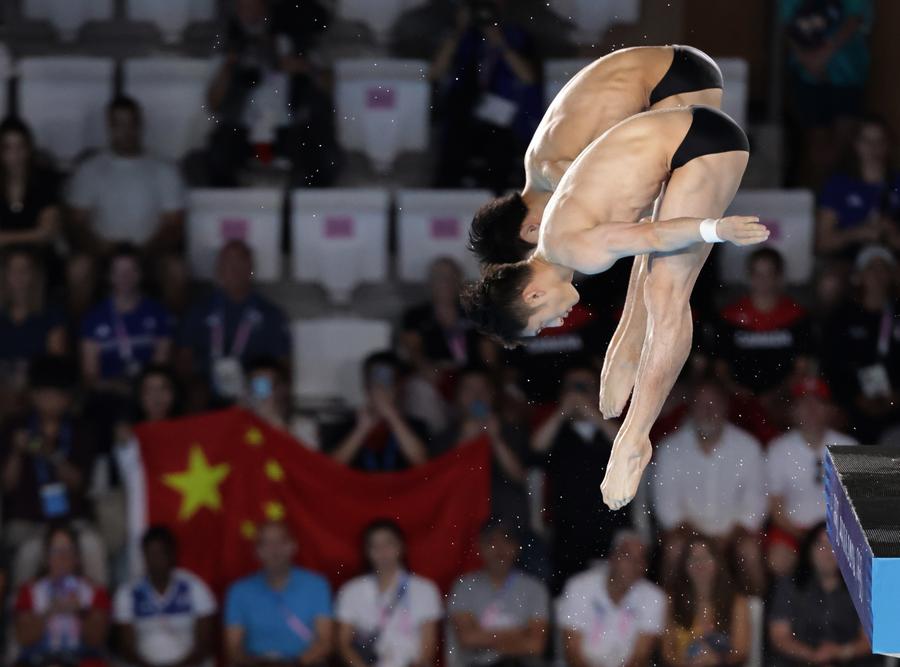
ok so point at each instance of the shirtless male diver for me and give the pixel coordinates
(699, 154)
(602, 94)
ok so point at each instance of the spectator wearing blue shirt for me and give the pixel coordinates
(828, 63)
(860, 203)
(27, 328)
(490, 99)
(282, 614)
(232, 328)
(125, 331)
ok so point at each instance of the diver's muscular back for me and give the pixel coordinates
(611, 88)
(614, 179)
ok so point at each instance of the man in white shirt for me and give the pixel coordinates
(794, 466)
(708, 478)
(166, 617)
(123, 194)
(610, 614)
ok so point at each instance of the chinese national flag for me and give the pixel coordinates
(213, 478)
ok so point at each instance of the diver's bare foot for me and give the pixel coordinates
(616, 383)
(624, 470)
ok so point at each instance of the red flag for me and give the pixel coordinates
(215, 477)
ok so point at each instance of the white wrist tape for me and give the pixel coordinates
(708, 230)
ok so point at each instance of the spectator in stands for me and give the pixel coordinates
(268, 392)
(388, 616)
(29, 199)
(862, 347)
(611, 614)
(282, 614)
(488, 76)
(574, 444)
(124, 332)
(124, 194)
(158, 394)
(763, 336)
(62, 617)
(709, 622)
(499, 615)
(235, 325)
(829, 65)
(860, 202)
(811, 618)
(475, 415)
(709, 478)
(269, 48)
(794, 466)
(381, 437)
(166, 617)
(435, 336)
(27, 328)
(47, 458)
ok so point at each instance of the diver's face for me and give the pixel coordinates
(551, 299)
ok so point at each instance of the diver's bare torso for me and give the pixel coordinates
(599, 96)
(614, 179)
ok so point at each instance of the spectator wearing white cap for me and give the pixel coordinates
(862, 347)
(794, 465)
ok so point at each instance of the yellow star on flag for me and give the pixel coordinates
(253, 437)
(274, 471)
(248, 530)
(199, 484)
(274, 511)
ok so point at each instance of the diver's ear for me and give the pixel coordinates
(533, 294)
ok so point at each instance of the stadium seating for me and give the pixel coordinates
(251, 215)
(789, 214)
(340, 238)
(68, 16)
(64, 100)
(557, 73)
(432, 224)
(379, 16)
(171, 17)
(382, 107)
(735, 73)
(172, 93)
(328, 354)
(591, 18)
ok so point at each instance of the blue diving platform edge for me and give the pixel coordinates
(862, 495)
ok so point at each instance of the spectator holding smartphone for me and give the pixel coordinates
(381, 438)
(573, 445)
(475, 414)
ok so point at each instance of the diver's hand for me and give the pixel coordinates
(742, 229)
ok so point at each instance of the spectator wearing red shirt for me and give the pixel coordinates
(61, 617)
(762, 340)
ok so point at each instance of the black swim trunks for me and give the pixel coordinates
(711, 132)
(691, 70)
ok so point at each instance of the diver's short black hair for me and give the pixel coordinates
(494, 234)
(495, 305)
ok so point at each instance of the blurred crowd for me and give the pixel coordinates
(103, 327)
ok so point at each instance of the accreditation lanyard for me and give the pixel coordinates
(249, 318)
(492, 610)
(884, 330)
(294, 623)
(123, 338)
(387, 610)
(64, 445)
